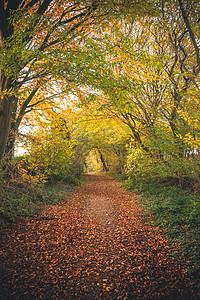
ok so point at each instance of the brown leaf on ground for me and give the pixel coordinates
(94, 246)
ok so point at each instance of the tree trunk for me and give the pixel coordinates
(9, 150)
(105, 168)
(6, 105)
(172, 122)
(16, 121)
(5, 100)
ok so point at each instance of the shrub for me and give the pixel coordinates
(23, 193)
(163, 163)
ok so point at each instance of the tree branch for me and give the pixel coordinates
(24, 106)
(191, 33)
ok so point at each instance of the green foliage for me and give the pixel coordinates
(19, 202)
(102, 138)
(51, 153)
(23, 194)
(136, 79)
(121, 177)
(51, 158)
(166, 157)
(177, 213)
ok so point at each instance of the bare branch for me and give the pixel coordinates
(191, 33)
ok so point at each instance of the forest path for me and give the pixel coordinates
(94, 246)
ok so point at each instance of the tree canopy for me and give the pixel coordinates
(116, 62)
(37, 41)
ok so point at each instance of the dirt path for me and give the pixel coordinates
(95, 246)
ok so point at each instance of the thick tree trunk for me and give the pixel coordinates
(6, 105)
(5, 122)
(5, 101)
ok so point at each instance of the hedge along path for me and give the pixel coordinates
(94, 246)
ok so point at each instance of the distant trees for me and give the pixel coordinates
(100, 138)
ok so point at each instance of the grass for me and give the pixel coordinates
(177, 213)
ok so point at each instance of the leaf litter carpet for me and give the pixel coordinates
(94, 246)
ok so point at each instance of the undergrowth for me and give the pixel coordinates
(121, 177)
(18, 201)
(177, 213)
(24, 192)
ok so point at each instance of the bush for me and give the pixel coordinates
(23, 193)
(51, 152)
(169, 166)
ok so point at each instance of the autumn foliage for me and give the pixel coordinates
(99, 86)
